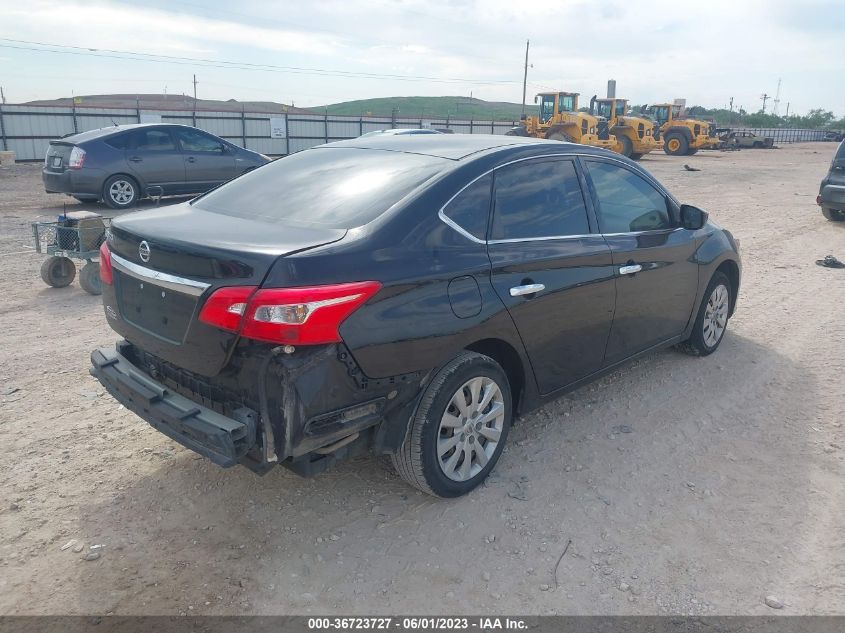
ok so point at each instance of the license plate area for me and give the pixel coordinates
(155, 309)
(56, 161)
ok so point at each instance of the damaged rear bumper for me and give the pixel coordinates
(222, 439)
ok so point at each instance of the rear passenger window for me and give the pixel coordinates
(147, 140)
(538, 198)
(470, 209)
(627, 202)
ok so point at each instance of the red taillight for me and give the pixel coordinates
(293, 316)
(819, 200)
(77, 158)
(225, 308)
(106, 273)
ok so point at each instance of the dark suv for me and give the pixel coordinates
(406, 296)
(831, 196)
(124, 163)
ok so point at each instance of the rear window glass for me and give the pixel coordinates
(337, 188)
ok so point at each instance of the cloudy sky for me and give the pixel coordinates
(328, 51)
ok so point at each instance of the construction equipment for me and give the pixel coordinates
(682, 136)
(635, 135)
(560, 120)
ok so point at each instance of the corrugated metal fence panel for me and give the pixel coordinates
(344, 129)
(28, 129)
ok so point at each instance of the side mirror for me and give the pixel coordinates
(692, 218)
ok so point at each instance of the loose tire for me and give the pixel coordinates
(636, 156)
(89, 279)
(58, 272)
(120, 192)
(459, 429)
(712, 319)
(675, 144)
(627, 147)
(833, 215)
(561, 136)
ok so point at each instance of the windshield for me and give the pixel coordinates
(603, 109)
(661, 113)
(566, 103)
(336, 188)
(547, 108)
(620, 108)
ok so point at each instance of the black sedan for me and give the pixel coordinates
(124, 163)
(403, 296)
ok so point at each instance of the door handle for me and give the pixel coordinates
(527, 289)
(191, 159)
(136, 159)
(630, 269)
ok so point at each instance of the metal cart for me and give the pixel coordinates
(75, 235)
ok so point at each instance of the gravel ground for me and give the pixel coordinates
(675, 485)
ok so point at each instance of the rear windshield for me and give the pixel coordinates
(337, 188)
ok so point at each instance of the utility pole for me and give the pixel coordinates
(787, 108)
(195, 91)
(776, 102)
(732, 105)
(765, 98)
(525, 77)
(2, 96)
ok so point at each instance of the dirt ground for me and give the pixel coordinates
(681, 485)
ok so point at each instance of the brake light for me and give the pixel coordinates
(106, 273)
(819, 200)
(294, 316)
(225, 307)
(77, 158)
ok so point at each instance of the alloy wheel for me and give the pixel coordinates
(716, 315)
(470, 428)
(122, 192)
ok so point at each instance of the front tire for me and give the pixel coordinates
(626, 146)
(120, 192)
(459, 429)
(712, 320)
(636, 156)
(58, 272)
(675, 144)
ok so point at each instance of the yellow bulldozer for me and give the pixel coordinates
(682, 136)
(635, 136)
(560, 120)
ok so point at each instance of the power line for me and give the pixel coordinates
(233, 65)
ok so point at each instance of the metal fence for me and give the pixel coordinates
(27, 130)
(784, 135)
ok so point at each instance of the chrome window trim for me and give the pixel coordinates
(171, 282)
(457, 227)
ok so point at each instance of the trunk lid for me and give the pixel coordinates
(167, 262)
(58, 154)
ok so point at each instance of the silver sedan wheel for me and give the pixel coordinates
(121, 192)
(470, 428)
(716, 315)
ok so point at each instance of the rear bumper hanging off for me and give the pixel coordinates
(223, 440)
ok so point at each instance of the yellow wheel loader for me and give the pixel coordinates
(682, 136)
(635, 135)
(560, 120)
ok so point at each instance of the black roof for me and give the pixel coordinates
(450, 146)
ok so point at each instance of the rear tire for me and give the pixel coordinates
(121, 192)
(691, 152)
(58, 272)
(561, 136)
(459, 429)
(675, 144)
(833, 215)
(711, 323)
(626, 145)
(89, 279)
(636, 156)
